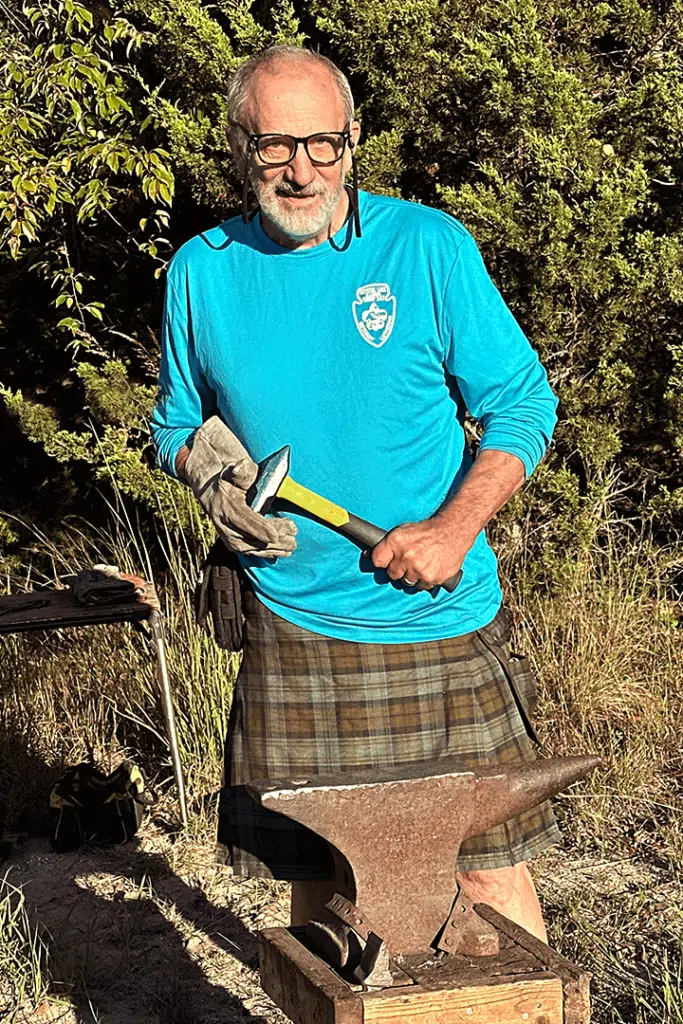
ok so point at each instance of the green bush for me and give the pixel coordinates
(553, 132)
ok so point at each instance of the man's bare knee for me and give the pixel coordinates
(494, 883)
(510, 891)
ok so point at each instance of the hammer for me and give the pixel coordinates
(273, 481)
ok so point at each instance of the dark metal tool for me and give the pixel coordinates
(274, 481)
(156, 629)
(395, 836)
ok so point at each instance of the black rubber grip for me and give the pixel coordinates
(367, 535)
(452, 583)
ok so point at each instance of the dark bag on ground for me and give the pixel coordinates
(219, 594)
(87, 806)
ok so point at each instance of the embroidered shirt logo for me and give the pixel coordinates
(375, 313)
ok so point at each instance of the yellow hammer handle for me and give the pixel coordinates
(312, 502)
(363, 533)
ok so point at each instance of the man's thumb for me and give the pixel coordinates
(382, 554)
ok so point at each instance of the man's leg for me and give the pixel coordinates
(510, 891)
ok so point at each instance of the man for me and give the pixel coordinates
(358, 329)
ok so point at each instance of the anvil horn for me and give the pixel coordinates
(505, 792)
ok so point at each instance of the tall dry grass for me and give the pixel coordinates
(71, 694)
(24, 955)
(608, 650)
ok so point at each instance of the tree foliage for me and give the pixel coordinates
(554, 133)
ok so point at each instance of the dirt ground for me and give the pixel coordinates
(154, 933)
(149, 933)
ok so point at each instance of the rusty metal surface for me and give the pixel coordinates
(329, 938)
(467, 933)
(397, 831)
(350, 915)
(372, 968)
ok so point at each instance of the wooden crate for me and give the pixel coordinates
(526, 983)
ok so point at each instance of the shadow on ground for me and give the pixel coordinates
(130, 940)
(25, 782)
(132, 943)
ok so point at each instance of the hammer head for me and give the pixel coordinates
(271, 472)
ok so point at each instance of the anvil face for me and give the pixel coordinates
(396, 833)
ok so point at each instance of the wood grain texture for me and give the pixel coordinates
(526, 983)
(459, 970)
(536, 1000)
(575, 980)
(301, 984)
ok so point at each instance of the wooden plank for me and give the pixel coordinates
(457, 970)
(475, 979)
(575, 980)
(535, 1000)
(527, 983)
(304, 987)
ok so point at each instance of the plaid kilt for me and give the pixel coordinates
(306, 704)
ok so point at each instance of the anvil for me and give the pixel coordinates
(395, 834)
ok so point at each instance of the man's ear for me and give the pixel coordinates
(355, 131)
(238, 151)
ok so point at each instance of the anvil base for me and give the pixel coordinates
(526, 983)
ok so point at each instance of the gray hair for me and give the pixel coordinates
(240, 80)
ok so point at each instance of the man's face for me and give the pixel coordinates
(300, 199)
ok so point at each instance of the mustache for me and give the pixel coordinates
(282, 189)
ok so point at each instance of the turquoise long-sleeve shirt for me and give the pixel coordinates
(363, 354)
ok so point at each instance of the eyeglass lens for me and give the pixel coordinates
(322, 149)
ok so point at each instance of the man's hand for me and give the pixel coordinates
(424, 554)
(220, 472)
(430, 552)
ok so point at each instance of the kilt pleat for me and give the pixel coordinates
(306, 704)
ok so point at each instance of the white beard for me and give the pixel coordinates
(298, 225)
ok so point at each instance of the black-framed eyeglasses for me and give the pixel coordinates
(323, 148)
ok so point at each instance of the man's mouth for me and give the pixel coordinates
(294, 197)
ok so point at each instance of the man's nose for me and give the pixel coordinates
(300, 170)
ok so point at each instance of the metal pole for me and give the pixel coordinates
(156, 627)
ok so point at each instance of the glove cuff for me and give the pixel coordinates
(214, 449)
(202, 465)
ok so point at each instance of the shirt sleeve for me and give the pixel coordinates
(498, 373)
(185, 399)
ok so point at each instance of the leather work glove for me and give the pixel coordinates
(216, 454)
